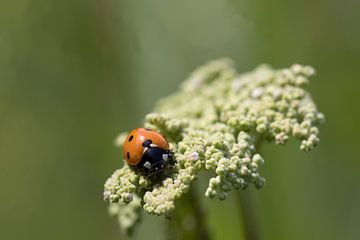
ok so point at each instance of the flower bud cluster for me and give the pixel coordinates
(215, 122)
(128, 214)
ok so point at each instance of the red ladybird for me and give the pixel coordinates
(147, 152)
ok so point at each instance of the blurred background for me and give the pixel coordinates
(73, 74)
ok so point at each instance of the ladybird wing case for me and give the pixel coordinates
(132, 148)
(155, 137)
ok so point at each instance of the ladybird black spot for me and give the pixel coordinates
(131, 138)
(128, 155)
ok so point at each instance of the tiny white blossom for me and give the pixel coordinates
(257, 92)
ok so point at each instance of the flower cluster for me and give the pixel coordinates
(215, 122)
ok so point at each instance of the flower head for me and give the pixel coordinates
(215, 123)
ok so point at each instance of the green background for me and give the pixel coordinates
(73, 74)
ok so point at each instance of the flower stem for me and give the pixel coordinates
(188, 219)
(248, 209)
(249, 216)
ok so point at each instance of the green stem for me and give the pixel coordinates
(248, 209)
(249, 216)
(188, 219)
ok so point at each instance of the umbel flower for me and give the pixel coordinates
(215, 122)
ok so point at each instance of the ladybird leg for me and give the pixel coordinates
(171, 159)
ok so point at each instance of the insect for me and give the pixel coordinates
(147, 152)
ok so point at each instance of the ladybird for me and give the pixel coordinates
(147, 152)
